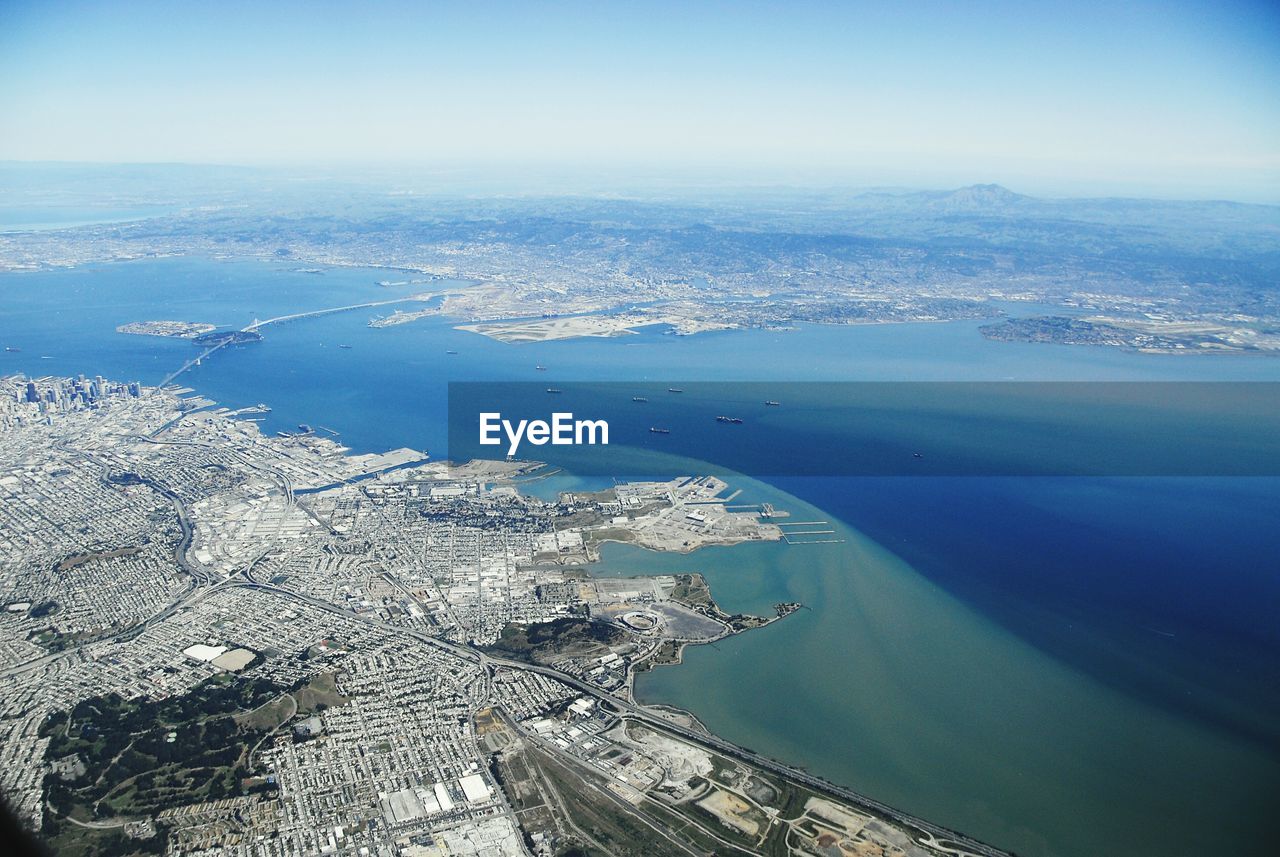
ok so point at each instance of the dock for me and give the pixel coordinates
(789, 535)
(764, 510)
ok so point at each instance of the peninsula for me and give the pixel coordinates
(360, 653)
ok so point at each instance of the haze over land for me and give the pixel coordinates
(1140, 274)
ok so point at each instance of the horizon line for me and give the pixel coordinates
(720, 177)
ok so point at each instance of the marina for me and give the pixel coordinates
(789, 533)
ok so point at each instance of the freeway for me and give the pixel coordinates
(935, 836)
(931, 835)
(630, 711)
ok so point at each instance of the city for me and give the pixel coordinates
(400, 656)
(586, 428)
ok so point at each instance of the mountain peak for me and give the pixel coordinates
(988, 194)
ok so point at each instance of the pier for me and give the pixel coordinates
(788, 535)
(764, 510)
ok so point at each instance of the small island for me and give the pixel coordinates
(174, 329)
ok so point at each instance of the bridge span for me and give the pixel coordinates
(258, 325)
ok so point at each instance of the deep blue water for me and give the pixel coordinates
(1164, 590)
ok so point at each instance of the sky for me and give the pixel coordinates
(1177, 98)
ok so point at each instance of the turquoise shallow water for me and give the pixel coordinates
(1063, 667)
(894, 686)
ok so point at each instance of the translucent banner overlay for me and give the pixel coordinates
(879, 428)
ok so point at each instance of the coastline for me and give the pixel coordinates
(236, 376)
(889, 703)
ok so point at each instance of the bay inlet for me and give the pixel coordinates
(1027, 662)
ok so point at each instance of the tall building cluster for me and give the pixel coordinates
(22, 398)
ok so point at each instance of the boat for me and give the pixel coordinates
(917, 455)
(639, 399)
(344, 346)
(674, 390)
(10, 349)
(451, 352)
(773, 404)
(734, 420)
(553, 390)
(540, 368)
(659, 430)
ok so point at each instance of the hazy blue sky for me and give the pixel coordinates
(1173, 98)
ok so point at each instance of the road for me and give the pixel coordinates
(934, 836)
(950, 840)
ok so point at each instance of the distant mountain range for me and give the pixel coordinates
(763, 256)
(974, 198)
